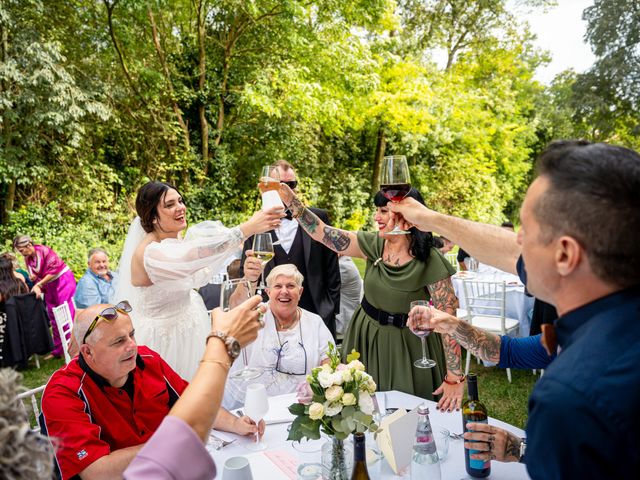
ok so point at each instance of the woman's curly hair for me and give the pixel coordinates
(24, 454)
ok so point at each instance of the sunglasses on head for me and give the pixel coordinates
(109, 314)
(292, 184)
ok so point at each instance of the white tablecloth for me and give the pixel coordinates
(518, 305)
(276, 434)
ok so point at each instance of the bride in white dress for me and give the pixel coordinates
(159, 272)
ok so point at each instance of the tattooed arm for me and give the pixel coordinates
(340, 241)
(444, 298)
(492, 443)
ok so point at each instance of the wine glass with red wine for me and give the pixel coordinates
(422, 329)
(395, 183)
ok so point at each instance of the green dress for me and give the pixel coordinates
(388, 352)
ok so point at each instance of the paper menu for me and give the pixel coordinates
(274, 465)
(396, 436)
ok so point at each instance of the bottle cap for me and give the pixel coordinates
(423, 409)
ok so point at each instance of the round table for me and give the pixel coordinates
(281, 451)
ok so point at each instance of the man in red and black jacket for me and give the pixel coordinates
(102, 407)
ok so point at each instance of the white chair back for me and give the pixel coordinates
(486, 305)
(64, 322)
(452, 258)
(30, 403)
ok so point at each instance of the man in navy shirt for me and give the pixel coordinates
(579, 240)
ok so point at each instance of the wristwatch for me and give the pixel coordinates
(233, 346)
(523, 447)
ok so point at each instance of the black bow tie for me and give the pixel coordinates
(289, 215)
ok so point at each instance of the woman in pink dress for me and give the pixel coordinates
(51, 276)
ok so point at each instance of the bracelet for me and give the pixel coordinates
(456, 382)
(226, 365)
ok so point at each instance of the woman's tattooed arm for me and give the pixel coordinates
(444, 298)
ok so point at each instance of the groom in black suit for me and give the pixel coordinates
(318, 264)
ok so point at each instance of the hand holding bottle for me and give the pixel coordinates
(492, 443)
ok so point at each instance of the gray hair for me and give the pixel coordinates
(22, 240)
(288, 270)
(93, 251)
(23, 453)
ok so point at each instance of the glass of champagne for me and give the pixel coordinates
(263, 251)
(422, 329)
(269, 186)
(256, 406)
(395, 183)
(232, 294)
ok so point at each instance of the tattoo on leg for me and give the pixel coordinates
(335, 239)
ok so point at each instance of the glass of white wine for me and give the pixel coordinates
(232, 294)
(263, 251)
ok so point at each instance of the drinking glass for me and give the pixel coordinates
(263, 251)
(422, 329)
(472, 266)
(256, 406)
(395, 183)
(232, 294)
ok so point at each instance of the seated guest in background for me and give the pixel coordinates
(98, 283)
(293, 341)
(20, 273)
(350, 293)
(443, 244)
(104, 405)
(52, 277)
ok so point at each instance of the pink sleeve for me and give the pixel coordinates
(52, 264)
(173, 452)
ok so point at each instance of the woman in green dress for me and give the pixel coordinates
(400, 269)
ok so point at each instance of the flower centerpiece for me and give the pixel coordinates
(337, 400)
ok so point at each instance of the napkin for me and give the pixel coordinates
(395, 438)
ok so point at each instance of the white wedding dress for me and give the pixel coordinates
(170, 316)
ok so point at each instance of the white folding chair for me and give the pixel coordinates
(452, 258)
(64, 321)
(29, 402)
(486, 305)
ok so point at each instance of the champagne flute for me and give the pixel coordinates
(256, 406)
(422, 328)
(395, 183)
(269, 185)
(232, 294)
(263, 251)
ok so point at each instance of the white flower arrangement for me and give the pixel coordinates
(336, 398)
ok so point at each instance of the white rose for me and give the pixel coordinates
(357, 364)
(348, 399)
(325, 378)
(365, 403)
(332, 409)
(371, 385)
(346, 376)
(316, 411)
(333, 393)
(337, 378)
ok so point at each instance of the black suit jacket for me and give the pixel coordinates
(323, 274)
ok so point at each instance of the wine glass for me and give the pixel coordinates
(395, 183)
(256, 406)
(263, 251)
(232, 294)
(269, 185)
(422, 329)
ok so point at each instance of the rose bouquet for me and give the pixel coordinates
(336, 398)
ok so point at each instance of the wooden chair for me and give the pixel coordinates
(486, 306)
(30, 404)
(64, 322)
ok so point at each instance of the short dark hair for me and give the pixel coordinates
(147, 200)
(421, 242)
(594, 197)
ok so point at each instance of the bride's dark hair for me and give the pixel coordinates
(147, 200)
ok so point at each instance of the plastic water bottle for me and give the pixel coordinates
(424, 464)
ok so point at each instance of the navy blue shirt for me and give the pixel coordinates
(524, 353)
(584, 419)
